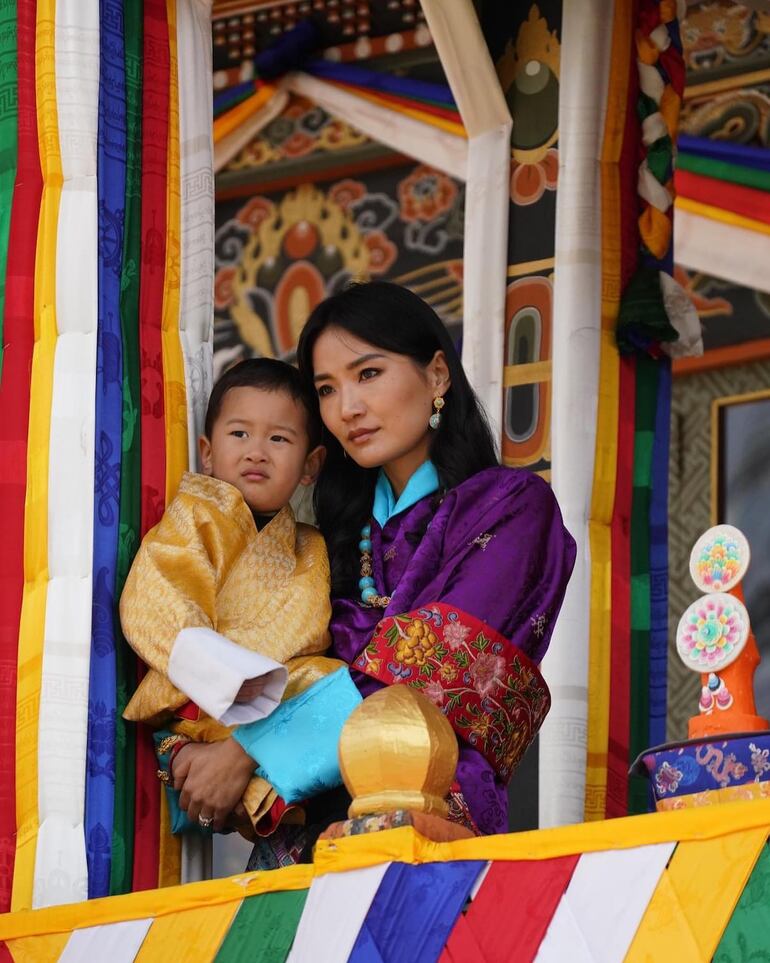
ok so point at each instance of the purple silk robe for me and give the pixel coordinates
(495, 548)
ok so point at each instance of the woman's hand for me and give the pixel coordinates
(211, 779)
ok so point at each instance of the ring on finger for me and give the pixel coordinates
(205, 821)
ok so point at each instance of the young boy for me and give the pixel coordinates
(228, 597)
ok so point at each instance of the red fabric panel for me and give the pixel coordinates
(620, 526)
(512, 910)
(18, 333)
(620, 664)
(155, 96)
(746, 201)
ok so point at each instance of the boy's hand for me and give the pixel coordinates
(250, 689)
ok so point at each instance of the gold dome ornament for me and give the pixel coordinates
(397, 752)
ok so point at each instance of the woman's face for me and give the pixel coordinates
(377, 403)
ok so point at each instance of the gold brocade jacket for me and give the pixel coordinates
(206, 564)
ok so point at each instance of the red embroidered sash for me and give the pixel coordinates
(492, 694)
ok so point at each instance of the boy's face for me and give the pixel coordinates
(259, 444)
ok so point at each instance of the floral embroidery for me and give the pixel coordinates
(490, 692)
(455, 634)
(667, 778)
(487, 673)
(390, 554)
(417, 645)
(435, 692)
(538, 623)
(759, 759)
(482, 540)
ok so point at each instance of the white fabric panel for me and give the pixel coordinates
(485, 254)
(604, 903)
(683, 315)
(335, 910)
(430, 145)
(197, 240)
(113, 943)
(725, 251)
(227, 147)
(210, 670)
(563, 940)
(585, 57)
(60, 866)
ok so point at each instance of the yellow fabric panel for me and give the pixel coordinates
(404, 845)
(170, 856)
(605, 455)
(175, 395)
(228, 122)
(195, 935)
(718, 214)
(663, 932)
(38, 949)
(153, 903)
(32, 624)
(655, 230)
(200, 563)
(701, 887)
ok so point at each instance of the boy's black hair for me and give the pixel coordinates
(266, 374)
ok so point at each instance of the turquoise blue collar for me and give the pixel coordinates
(423, 482)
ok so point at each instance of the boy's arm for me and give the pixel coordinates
(167, 611)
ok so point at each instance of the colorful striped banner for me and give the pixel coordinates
(680, 885)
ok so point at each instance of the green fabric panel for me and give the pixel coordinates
(747, 937)
(263, 928)
(644, 434)
(724, 171)
(642, 317)
(130, 480)
(659, 159)
(8, 138)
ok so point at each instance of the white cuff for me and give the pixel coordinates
(210, 670)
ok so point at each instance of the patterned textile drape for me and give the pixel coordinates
(97, 391)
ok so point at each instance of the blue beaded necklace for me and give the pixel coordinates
(369, 594)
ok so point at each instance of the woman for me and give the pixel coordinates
(448, 570)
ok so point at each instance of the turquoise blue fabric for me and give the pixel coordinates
(180, 823)
(295, 747)
(423, 482)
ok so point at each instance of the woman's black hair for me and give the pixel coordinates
(267, 374)
(397, 320)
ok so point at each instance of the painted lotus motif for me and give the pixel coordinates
(712, 632)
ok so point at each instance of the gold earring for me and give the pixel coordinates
(435, 419)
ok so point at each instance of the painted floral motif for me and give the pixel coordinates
(712, 632)
(530, 181)
(347, 192)
(224, 289)
(425, 194)
(382, 252)
(719, 561)
(493, 696)
(667, 779)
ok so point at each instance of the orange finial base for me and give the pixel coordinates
(738, 677)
